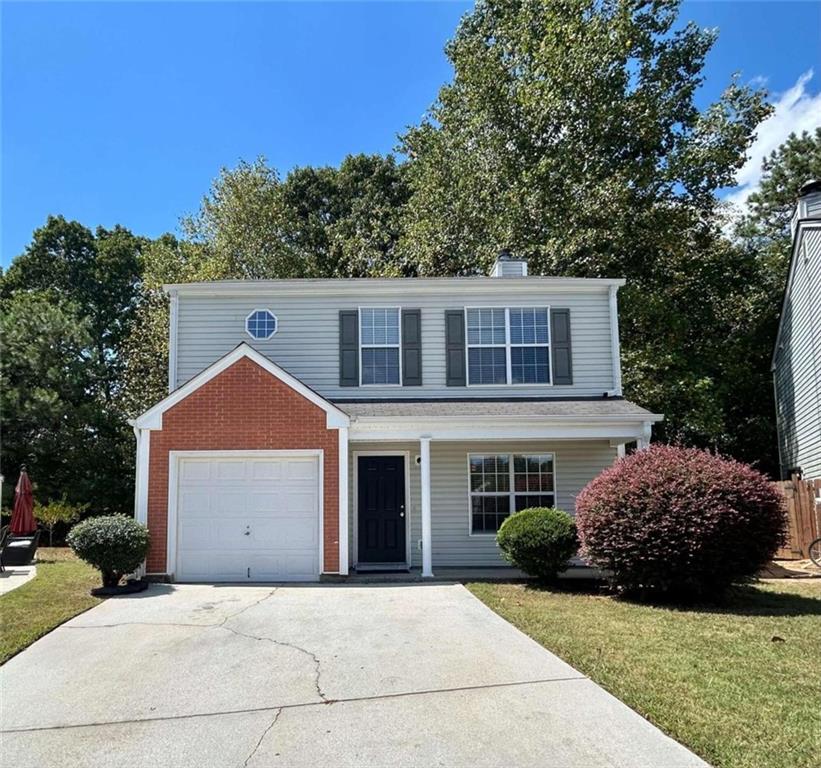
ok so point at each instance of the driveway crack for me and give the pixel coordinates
(195, 625)
(262, 737)
(310, 654)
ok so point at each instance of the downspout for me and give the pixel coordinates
(173, 302)
(615, 351)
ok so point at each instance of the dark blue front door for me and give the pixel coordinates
(381, 509)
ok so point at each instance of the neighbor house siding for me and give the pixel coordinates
(576, 463)
(307, 341)
(798, 363)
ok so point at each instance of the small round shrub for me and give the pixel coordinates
(115, 545)
(539, 541)
(679, 521)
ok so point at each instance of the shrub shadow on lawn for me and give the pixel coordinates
(745, 600)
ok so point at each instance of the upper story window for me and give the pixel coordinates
(261, 324)
(379, 341)
(508, 346)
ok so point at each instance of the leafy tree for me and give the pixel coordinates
(67, 306)
(318, 222)
(57, 512)
(570, 135)
(795, 162)
(98, 272)
(71, 445)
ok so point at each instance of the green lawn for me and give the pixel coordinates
(714, 678)
(58, 592)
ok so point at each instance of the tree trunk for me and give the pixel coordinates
(110, 579)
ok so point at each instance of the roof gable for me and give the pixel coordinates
(152, 418)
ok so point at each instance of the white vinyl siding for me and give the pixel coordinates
(306, 343)
(576, 463)
(798, 364)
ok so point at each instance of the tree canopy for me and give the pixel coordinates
(66, 309)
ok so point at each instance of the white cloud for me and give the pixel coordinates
(796, 110)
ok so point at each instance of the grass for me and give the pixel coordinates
(739, 684)
(59, 591)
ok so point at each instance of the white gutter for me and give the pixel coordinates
(389, 286)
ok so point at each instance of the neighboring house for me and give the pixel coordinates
(319, 426)
(797, 356)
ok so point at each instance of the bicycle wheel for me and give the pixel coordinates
(815, 552)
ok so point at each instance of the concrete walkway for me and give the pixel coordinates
(326, 675)
(15, 576)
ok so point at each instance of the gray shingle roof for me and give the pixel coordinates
(519, 408)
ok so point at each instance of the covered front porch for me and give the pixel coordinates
(424, 486)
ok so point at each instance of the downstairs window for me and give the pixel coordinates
(501, 484)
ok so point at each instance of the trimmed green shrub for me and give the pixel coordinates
(115, 545)
(539, 541)
(680, 522)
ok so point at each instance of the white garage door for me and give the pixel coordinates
(248, 519)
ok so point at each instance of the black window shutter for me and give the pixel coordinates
(412, 347)
(560, 346)
(349, 348)
(455, 347)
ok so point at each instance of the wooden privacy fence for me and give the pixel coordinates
(803, 515)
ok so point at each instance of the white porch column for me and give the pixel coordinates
(141, 475)
(343, 501)
(424, 455)
(646, 433)
(143, 437)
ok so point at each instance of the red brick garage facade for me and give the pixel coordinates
(243, 407)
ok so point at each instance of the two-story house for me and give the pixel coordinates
(797, 357)
(314, 427)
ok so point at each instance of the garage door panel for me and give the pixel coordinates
(193, 471)
(214, 566)
(285, 533)
(294, 566)
(251, 519)
(300, 470)
(266, 470)
(230, 470)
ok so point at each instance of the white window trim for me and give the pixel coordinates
(508, 345)
(511, 494)
(362, 346)
(251, 314)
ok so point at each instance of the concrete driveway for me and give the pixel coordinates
(377, 675)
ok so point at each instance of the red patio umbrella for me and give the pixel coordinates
(22, 518)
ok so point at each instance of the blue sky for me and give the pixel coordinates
(124, 112)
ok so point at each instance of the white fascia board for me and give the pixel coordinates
(478, 429)
(394, 286)
(152, 418)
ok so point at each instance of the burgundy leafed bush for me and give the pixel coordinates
(679, 521)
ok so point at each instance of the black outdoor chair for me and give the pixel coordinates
(19, 550)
